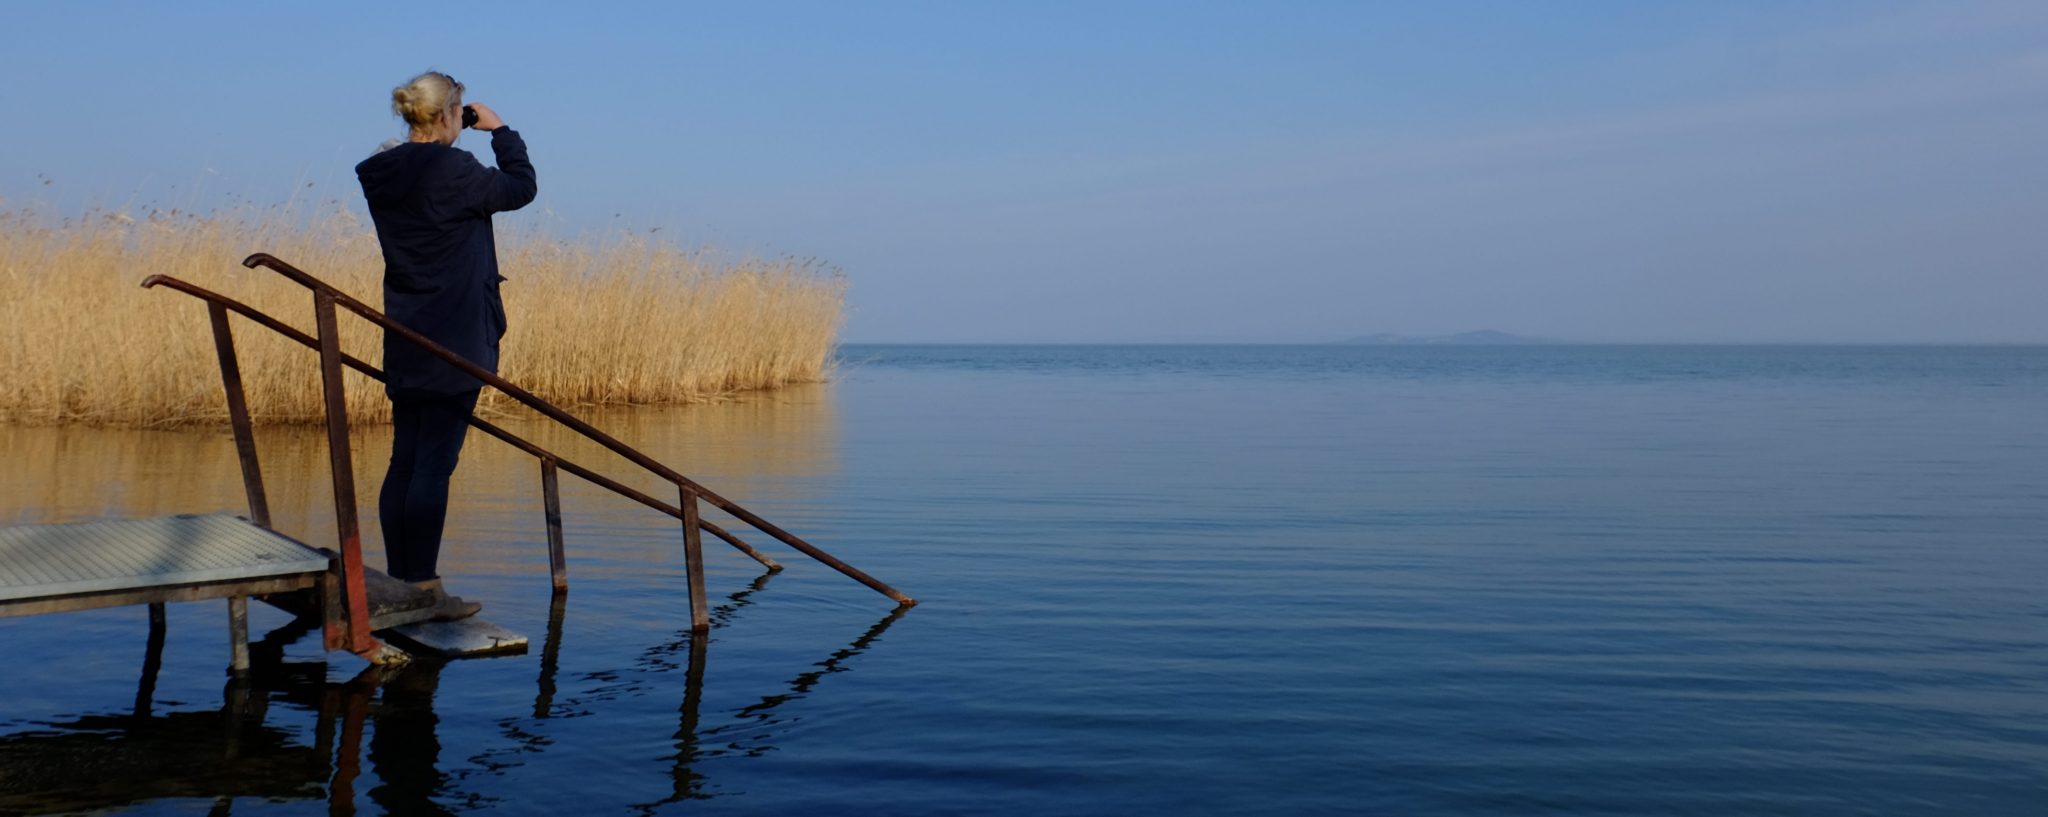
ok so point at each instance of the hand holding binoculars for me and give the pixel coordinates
(481, 117)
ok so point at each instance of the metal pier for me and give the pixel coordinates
(84, 566)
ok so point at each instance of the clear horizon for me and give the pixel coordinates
(1744, 172)
(1532, 342)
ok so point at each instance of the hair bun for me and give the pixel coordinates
(423, 101)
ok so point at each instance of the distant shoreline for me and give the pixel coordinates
(1310, 344)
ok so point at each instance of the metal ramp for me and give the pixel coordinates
(191, 557)
(78, 563)
(194, 557)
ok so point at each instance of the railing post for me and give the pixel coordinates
(693, 559)
(357, 637)
(551, 497)
(238, 414)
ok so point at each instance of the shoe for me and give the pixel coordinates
(447, 607)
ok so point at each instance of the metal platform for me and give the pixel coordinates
(87, 565)
(49, 568)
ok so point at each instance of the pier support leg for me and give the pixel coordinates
(152, 660)
(238, 634)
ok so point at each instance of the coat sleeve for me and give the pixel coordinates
(509, 187)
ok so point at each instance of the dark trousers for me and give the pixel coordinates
(426, 440)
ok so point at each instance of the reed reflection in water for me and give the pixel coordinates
(756, 449)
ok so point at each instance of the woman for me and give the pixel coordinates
(432, 205)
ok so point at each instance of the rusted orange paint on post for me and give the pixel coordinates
(342, 469)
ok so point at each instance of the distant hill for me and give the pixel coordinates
(1483, 337)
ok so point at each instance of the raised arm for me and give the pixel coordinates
(513, 184)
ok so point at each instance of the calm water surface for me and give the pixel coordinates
(1155, 580)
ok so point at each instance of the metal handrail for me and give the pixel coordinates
(478, 423)
(356, 637)
(565, 418)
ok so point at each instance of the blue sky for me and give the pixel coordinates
(1159, 172)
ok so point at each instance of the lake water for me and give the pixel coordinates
(1154, 581)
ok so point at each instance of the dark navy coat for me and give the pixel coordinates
(432, 205)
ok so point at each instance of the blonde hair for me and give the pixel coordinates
(424, 100)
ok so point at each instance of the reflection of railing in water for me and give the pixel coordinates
(690, 736)
(232, 752)
(350, 629)
(687, 782)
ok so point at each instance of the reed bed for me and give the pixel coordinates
(618, 319)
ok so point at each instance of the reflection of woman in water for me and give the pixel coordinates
(405, 750)
(432, 205)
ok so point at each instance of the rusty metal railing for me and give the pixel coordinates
(347, 619)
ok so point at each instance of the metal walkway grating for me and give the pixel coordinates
(40, 561)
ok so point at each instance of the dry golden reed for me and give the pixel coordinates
(593, 321)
